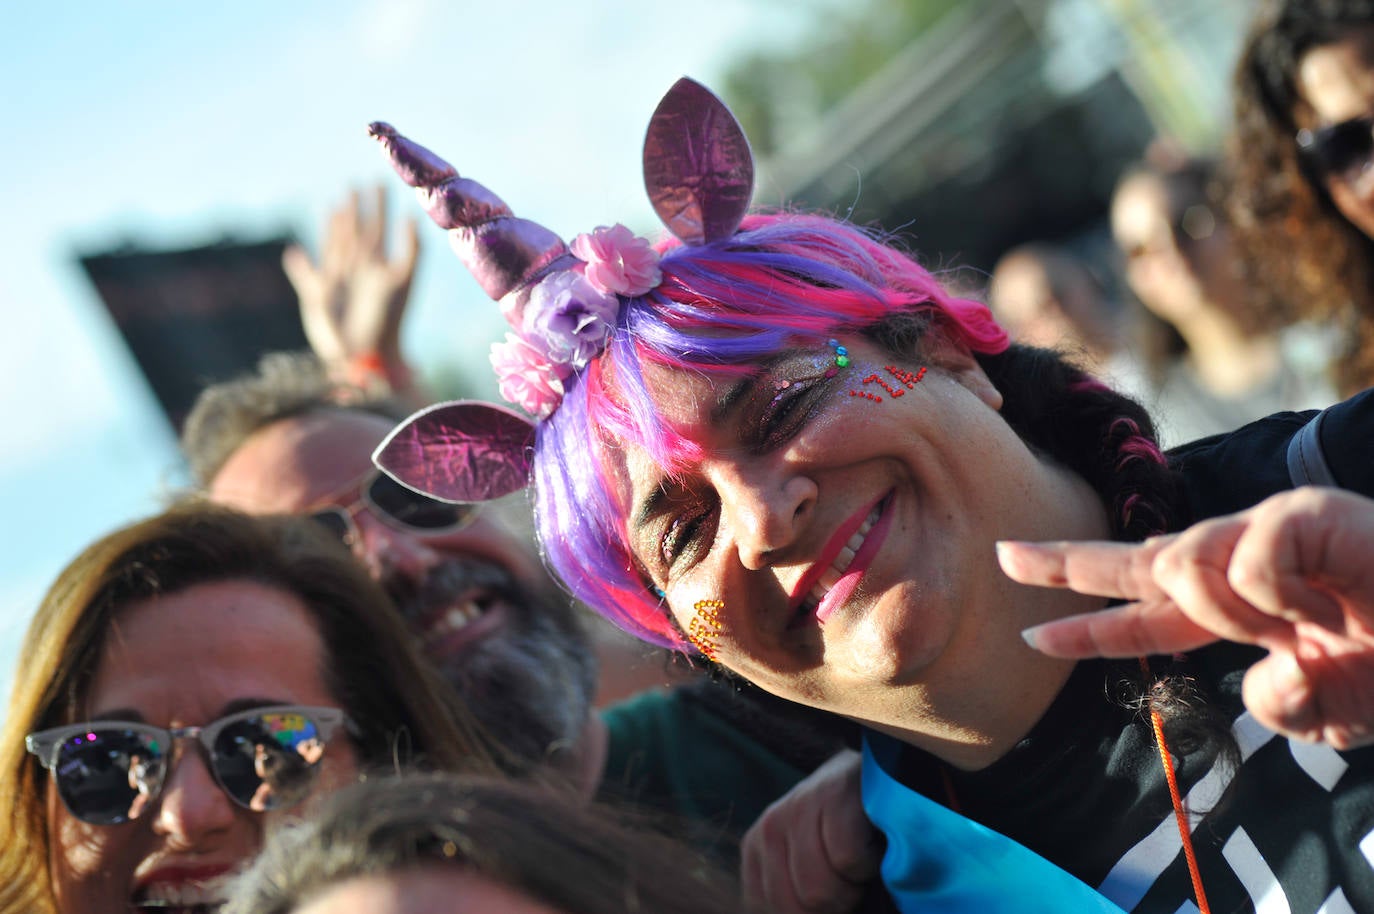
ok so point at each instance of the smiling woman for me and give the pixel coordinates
(783, 446)
(187, 680)
(1304, 157)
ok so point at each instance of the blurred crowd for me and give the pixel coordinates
(308, 687)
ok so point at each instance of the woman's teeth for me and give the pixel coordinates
(831, 576)
(166, 897)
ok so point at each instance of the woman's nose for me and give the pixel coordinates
(765, 507)
(192, 806)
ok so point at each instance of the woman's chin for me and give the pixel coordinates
(883, 647)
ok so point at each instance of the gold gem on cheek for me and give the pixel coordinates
(705, 626)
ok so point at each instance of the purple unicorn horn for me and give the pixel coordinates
(506, 254)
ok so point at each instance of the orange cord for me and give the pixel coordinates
(1181, 817)
(1184, 832)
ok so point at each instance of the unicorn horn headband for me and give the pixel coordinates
(562, 301)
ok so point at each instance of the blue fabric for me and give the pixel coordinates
(939, 862)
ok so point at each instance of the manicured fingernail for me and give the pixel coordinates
(1031, 636)
(1013, 548)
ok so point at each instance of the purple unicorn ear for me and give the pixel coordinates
(698, 169)
(462, 451)
(506, 254)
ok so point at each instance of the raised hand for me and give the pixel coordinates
(354, 298)
(1294, 574)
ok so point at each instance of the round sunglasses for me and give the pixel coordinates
(396, 506)
(1341, 150)
(110, 771)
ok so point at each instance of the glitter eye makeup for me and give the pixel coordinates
(793, 398)
(682, 533)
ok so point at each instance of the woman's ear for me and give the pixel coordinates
(956, 358)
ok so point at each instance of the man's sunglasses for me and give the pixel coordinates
(108, 772)
(1341, 150)
(398, 507)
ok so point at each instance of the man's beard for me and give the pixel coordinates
(530, 683)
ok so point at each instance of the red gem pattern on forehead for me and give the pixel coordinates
(891, 391)
(906, 377)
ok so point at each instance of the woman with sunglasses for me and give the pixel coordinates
(1304, 159)
(186, 681)
(1211, 361)
(778, 444)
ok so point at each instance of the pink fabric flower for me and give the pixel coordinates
(569, 318)
(618, 261)
(526, 377)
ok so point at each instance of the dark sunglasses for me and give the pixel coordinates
(398, 507)
(1341, 150)
(108, 772)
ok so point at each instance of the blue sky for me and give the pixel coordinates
(175, 124)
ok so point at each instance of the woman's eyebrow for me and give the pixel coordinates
(732, 396)
(745, 385)
(651, 506)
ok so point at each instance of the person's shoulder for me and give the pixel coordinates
(643, 713)
(1233, 471)
(667, 717)
(733, 718)
(1225, 473)
(1346, 434)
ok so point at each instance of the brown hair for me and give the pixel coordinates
(1295, 241)
(542, 841)
(1193, 188)
(402, 710)
(284, 385)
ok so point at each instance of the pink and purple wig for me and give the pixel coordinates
(781, 281)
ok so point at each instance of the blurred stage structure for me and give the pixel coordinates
(200, 315)
(1007, 121)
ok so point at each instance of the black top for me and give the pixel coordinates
(1086, 788)
(1227, 473)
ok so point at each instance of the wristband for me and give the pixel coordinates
(365, 367)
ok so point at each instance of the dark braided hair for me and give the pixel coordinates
(1109, 439)
(1103, 436)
